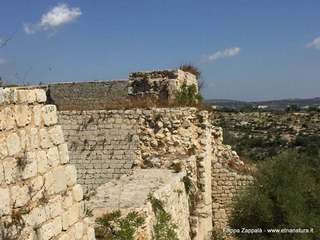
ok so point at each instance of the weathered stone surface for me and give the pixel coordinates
(71, 175)
(53, 157)
(3, 148)
(71, 216)
(20, 195)
(13, 144)
(55, 180)
(63, 153)
(77, 193)
(50, 229)
(22, 114)
(4, 201)
(40, 95)
(45, 141)
(28, 185)
(49, 115)
(31, 168)
(56, 135)
(42, 161)
(11, 171)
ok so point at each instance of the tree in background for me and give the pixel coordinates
(285, 194)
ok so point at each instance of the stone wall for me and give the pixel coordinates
(102, 144)
(106, 144)
(230, 176)
(155, 85)
(159, 84)
(39, 195)
(86, 95)
(132, 193)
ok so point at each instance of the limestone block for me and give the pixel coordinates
(63, 152)
(10, 95)
(53, 157)
(4, 201)
(33, 141)
(71, 216)
(31, 168)
(23, 115)
(13, 144)
(56, 135)
(3, 121)
(23, 96)
(37, 109)
(64, 236)
(42, 161)
(50, 229)
(54, 207)
(31, 96)
(3, 149)
(9, 118)
(45, 141)
(36, 188)
(78, 230)
(23, 139)
(49, 115)
(11, 171)
(71, 175)
(91, 235)
(77, 193)
(40, 95)
(68, 200)
(1, 174)
(19, 195)
(36, 217)
(55, 180)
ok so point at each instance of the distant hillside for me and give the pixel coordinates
(272, 104)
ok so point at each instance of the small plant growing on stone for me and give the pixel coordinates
(164, 229)
(22, 161)
(113, 226)
(177, 167)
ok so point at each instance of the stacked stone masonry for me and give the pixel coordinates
(39, 195)
(156, 85)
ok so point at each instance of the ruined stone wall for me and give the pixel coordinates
(39, 195)
(132, 194)
(230, 176)
(161, 85)
(86, 95)
(102, 144)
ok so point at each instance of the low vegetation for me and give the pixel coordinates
(164, 229)
(285, 195)
(113, 226)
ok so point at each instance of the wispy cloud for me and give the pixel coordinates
(56, 17)
(314, 44)
(225, 53)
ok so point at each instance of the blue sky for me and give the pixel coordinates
(245, 49)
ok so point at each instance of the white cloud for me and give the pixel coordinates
(225, 53)
(56, 17)
(314, 44)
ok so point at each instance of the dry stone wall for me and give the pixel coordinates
(39, 195)
(230, 176)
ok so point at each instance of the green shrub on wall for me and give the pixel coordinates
(285, 195)
(164, 229)
(113, 226)
(188, 95)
